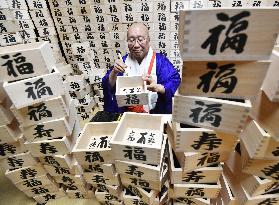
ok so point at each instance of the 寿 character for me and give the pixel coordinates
(276, 152)
(79, 195)
(14, 162)
(209, 140)
(206, 113)
(39, 190)
(223, 78)
(51, 161)
(28, 173)
(236, 42)
(40, 132)
(7, 148)
(132, 99)
(21, 65)
(32, 183)
(41, 110)
(49, 197)
(46, 148)
(93, 157)
(142, 138)
(40, 87)
(103, 143)
(269, 201)
(272, 171)
(133, 171)
(208, 158)
(99, 179)
(194, 176)
(195, 192)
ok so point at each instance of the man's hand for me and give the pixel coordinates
(152, 85)
(119, 66)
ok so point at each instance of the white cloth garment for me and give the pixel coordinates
(136, 69)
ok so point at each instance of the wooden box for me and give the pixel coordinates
(13, 148)
(103, 196)
(210, 191)
(25, 173)
(6, 116)
(129, 141)
(259, 144)
(260, 167)
(187, 138)
(131, 91)
(96, 178)
(220, 115)
(147, 172)
(210, 174)
(190, 161)
(146, 195)
(18, 161)
(34, 90)
(35, 58)
(10, 133)
(42, 181)
(49, 196)
(93, 145)
(270, 84)
(51, 109)
(53, 129)
(228, 79)
(226, 193)
(212, 39)
(266, 114)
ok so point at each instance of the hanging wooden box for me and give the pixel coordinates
(194, 43)
(60, 146)
(186, 138)
(146, 195)
(145, 171)
(58, 160)
(93, 178)
(260, 167)
(19, 175)
(113, 190)
(243, 198)
(107, 170)
(41, 181)
(124, 146)
(87, 150)
(75, 83)
(271, 82)
(259, 144)
(196, 201)
(210, 191)
(35, 191)
(190, 161)
(219, 115)
(177, 176)
(266, 114)
(226, 193)
(41, 199)
(22, 93)
(10, 149)
(197, 80)
(10, 133)
(18, 161)
(38, 56)
(131, 91)
(103, 196)
(6, 116)
(56, 107)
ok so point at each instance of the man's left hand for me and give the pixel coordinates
(152, 85)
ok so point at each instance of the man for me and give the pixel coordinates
(158, 72)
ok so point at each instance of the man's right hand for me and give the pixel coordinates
(119, 66)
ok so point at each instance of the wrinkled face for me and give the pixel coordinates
(138, 41)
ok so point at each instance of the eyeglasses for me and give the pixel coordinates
(140, 39)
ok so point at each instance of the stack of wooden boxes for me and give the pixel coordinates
(93, 153)
(213, 100)
(139, 149)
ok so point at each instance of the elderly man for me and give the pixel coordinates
(158, 72)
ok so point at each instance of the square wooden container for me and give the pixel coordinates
(17, 161)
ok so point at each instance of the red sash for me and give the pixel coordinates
(139, 108)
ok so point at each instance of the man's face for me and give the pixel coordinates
(138, 42)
